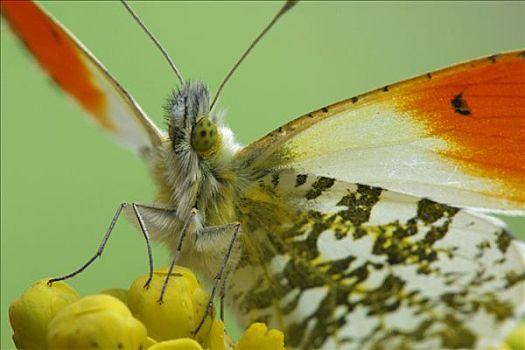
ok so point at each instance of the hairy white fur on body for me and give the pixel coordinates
(187, 180)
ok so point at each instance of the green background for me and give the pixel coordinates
(62, 178)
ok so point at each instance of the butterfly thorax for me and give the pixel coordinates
(195, 168)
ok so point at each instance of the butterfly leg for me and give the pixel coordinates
(105, 239)
(215, 232)
(194, 212)
(222, 295)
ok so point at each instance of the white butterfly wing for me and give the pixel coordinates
(338, 265)
(81, 75)
(456, 136)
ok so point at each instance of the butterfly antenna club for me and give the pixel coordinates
(155, 40)
(287, 6)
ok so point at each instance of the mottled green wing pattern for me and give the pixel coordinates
(339, 265)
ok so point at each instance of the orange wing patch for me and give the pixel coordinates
(478, 108)
(57, 54)
(455, 135)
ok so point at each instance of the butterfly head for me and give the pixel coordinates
(191, 123)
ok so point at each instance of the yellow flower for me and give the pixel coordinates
(177, 344)
(516, 339)
(119, 293)
(218, 339)
(45, 317)
(500, 347)
(96, 321)
(181, 311)
(257, 337)
(31, 312)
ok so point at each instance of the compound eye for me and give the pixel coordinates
(204, 135)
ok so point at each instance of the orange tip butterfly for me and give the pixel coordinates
(355, 226)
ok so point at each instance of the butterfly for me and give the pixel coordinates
(351, 229)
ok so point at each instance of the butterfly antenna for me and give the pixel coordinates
(287, 6)
(152, 37)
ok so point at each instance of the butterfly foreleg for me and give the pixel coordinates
(140, 220)
(175, 258)
(223, 295)
(210, 238)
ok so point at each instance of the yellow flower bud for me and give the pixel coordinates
(257, 337)
(119, 293)
(177, 344)
(182, 308)
(96, 322)
(149, 342)
(499, 347)
(31, 312)
(516, 338)
(218, 339)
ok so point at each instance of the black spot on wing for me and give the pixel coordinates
(300, 179)
(429, 211)
(503, 241)
(492, 58)
(456, 336)
(321, 184)
(275, 179)
(354, 99)
(429, 76)
(324, 109)
(513, 277)
(460, 105)
(385, 88)
(359, 205)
